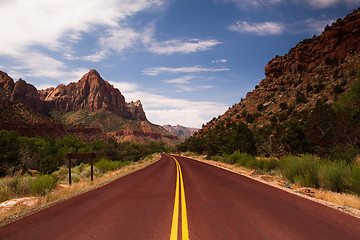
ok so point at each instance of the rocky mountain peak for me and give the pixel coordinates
(137, 110)
(91, 93)
(6, 86)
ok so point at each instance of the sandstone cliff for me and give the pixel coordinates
(91, 93)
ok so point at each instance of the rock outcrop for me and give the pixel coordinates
(20, 91)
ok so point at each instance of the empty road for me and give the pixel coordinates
(180, 198)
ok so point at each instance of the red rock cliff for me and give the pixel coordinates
(91, 93)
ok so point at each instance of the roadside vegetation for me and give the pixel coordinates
(47, 189)
(318, 147)
(34, 167)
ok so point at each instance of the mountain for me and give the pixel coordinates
(90, 106)
(180, 131)
(91, 93)
(311, 85)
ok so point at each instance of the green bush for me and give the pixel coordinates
(75, 177)
(266, 164)
(62, 173)
(303, 170)
(335, 176)
(355, 179)
(104, 165)
(239, 158)
(42, 184)
(346, 154)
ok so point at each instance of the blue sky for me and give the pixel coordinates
(186, 60)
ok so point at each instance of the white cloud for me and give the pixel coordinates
(316, 26)
(262, 29)
(245, 4)
(183, 88)
(206, 86)
(44, 86)
(330, 3)
(119, 39)
(125, 86)
(178, 46)
(219, 61)
(163, 110)
(45, 23)
(182, 80)
(194, 69)
(97, 57)
(32, 26)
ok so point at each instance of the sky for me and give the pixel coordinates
(186, 60)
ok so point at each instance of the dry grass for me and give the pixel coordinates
(64, 191)
(344, 199)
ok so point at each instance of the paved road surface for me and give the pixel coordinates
(211, 203)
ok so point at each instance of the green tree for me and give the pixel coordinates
(9, 151)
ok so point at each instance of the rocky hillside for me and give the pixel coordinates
(320, 68)
(181, 131)
(91, 105)
(27, 122)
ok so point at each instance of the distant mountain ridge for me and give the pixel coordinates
(180, 131)
(90, 102)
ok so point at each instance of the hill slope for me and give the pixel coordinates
(304, 92)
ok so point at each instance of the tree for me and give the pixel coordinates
(9, 151)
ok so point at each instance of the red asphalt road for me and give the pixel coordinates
(220, 205)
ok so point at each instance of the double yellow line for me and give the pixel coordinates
(175, 223)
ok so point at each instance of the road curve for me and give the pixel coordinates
(217, 204)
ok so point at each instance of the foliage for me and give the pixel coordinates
(225, 138)
(9, 150)
(46, 154)
(42, 184)
(335, 176)
(248, 161)
(104, 165)
(303, 170)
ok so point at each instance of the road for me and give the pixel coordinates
(180, 198)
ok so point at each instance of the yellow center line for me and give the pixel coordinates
(174, 226)
(184, 222)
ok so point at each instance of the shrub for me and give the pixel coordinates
(104, 165)
(266, 164)
(260, 107)
(335, 176)
(338, 89)
(303, 170)
(242, 159)
(75, 177)
(62, 173)
(355, 179)
(309, 88)
(346, 154)
(284, 106)
(300, 97)
(42, 184)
